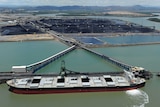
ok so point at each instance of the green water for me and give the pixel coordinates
(23, 53)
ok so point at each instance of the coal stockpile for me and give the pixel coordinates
(19, 29)
(94, 26)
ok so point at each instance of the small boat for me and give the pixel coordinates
(158, 74)
(76, 83)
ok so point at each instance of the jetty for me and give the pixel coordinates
(30, 70)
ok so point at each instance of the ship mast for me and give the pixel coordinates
(63, 69)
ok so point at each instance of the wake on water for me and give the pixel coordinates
(138, 97)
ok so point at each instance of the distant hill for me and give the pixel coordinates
(136, 8)
(70, 8)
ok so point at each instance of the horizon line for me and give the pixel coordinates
(2, 5)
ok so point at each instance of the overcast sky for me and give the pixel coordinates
(81, 2)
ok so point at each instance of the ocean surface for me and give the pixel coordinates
(24, 53)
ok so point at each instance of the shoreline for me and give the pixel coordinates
(26, 37)
(47, 37)
(120, 45)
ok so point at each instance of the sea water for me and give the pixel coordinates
(23, 53)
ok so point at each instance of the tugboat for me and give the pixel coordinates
(75, 82)
(141, 72)
(158, 74)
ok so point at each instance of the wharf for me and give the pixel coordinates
(29, 70)
(4, 76)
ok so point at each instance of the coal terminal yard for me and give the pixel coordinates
(18, 29)
(78, 26)
(93, 26)
(84, 30)
(87, 30)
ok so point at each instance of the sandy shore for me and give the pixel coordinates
(26, 37)
(128, 13)
(40, 37)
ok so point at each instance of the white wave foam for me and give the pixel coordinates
(138, 97)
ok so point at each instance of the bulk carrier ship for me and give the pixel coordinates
(75, 82)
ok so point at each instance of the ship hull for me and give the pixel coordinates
(72, 90)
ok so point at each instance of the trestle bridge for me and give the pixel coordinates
(30, 70)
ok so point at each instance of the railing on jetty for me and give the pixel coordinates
(113, 61)
(38, 65)
(138, 71)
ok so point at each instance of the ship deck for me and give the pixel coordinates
(70, 81)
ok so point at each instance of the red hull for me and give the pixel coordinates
(73, 90)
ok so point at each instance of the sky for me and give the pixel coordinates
(80, 2)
